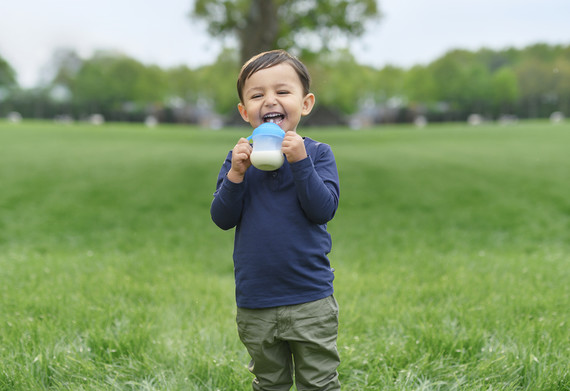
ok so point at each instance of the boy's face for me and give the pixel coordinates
(276, 95)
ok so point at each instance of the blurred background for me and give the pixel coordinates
(373, 62)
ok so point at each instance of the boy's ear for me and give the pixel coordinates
(308, 103)
(243, 112)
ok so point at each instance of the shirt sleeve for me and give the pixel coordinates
(317, 184)
(226, 207)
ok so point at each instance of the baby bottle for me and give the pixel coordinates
(266, 154)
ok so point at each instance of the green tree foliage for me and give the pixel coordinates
(420, 86)
(535, 83)
(529, 82)
(182, 83)
(304, 26)
(113, 82)
(389, 82)
(8, 84)
(340, 82)
(7, 74)
(217, 82)
(504, 90)
(561, 75)
(462, 80)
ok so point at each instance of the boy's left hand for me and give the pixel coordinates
(293, 147)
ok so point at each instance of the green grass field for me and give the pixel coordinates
(451, 247)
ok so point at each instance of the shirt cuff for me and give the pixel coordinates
(232, 186)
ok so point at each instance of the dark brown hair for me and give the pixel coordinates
(269, 59)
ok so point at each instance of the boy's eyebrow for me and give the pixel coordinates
(283, 84)
(278, 85)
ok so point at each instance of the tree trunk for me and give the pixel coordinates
(259, 32)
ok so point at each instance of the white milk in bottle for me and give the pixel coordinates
(267, 160)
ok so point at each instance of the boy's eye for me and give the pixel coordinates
(283, 92)
(255, 96)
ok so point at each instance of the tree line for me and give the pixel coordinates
(530, 82)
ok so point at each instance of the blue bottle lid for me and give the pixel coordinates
(268, 129)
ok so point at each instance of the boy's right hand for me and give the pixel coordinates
(240, 160)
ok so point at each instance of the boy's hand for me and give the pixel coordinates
(240, 160)
(293, 147)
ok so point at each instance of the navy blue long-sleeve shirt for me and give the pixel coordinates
(281, 239)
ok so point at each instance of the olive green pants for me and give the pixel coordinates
(297, 340)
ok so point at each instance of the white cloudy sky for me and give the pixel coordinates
(159, 31)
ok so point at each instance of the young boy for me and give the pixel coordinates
(287, 316)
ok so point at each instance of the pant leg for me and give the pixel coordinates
(271, 358)
(312, 339)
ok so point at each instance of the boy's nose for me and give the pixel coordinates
(271, 100)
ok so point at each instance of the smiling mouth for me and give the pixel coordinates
(275, 118)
